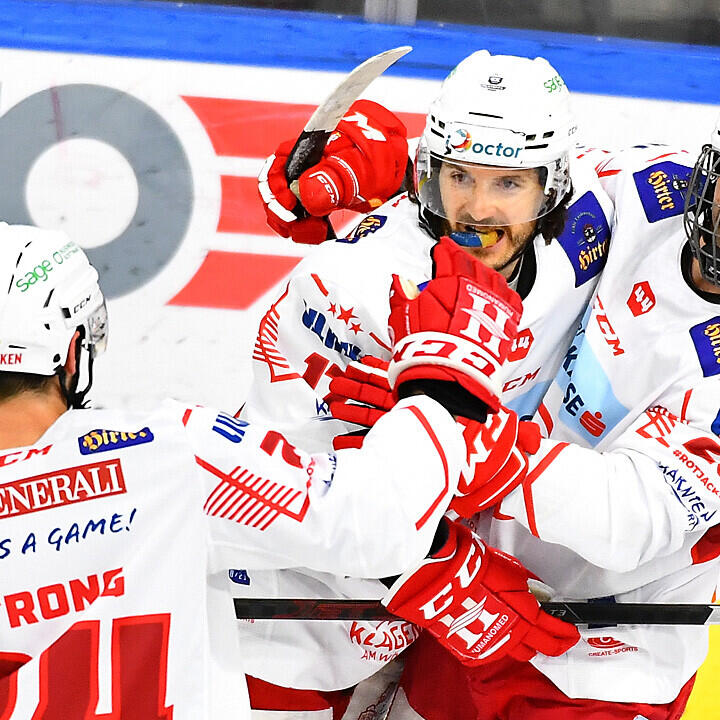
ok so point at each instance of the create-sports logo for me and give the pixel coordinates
(604, 642)
(61, 487)
(605, 646)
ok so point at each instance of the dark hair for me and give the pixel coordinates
(549, 226)
(14, 383)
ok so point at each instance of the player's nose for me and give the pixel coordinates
(482, 208)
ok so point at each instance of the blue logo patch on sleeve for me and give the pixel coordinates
(369, 225)
(239, 577)
(97, 441)
(706, 338)
(585, 238)
(715, 427)
(662, 189)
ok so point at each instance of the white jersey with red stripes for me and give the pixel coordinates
(117, 529)
(629, 511)
(335, 309)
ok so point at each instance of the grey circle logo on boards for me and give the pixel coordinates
(142, 136)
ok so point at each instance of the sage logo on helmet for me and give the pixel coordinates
(51, 292)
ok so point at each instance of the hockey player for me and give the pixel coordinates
(111, 523)
(621, 503)
(493, 169)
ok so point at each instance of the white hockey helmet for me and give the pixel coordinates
(51, 290)
(499, 110)
(702, 209)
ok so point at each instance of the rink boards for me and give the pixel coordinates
(143, 142)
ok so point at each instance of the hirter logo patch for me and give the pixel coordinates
(97, 441)
(706, 338)
(585, 238)
(662, 189)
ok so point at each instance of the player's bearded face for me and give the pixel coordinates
(480, 198)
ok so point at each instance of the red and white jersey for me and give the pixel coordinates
(117, 529)
(335, 309)
(629, 513)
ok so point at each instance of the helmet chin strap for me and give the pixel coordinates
(74, 398)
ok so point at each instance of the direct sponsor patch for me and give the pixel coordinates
(585, 238)
(369, 225)
(98, 440)
(706, 338)
(661, 189)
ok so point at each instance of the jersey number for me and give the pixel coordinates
(69, 672)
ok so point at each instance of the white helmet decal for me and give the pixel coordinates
(49, 289)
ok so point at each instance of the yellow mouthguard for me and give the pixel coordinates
(488, 238)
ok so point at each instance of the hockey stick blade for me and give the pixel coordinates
(578, 613)
(308, 148)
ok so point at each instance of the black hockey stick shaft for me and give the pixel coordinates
(578, 613)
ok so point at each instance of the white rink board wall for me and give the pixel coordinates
(90, 183)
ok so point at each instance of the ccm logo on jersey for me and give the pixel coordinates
(585, 238)
(20, 455)
(61, 487)
(606, 328)
(706, 338)
(662, 189)
(103, 440)
(58, 599)
(642, 299)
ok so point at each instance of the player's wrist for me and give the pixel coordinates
(458, 401)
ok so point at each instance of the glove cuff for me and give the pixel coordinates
(464, 359)
(448, 393)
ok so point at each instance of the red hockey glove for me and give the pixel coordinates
(497, 460)
(366, 397)
(459, 328)
(280, 203)
(362, 166)
(475, 601)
